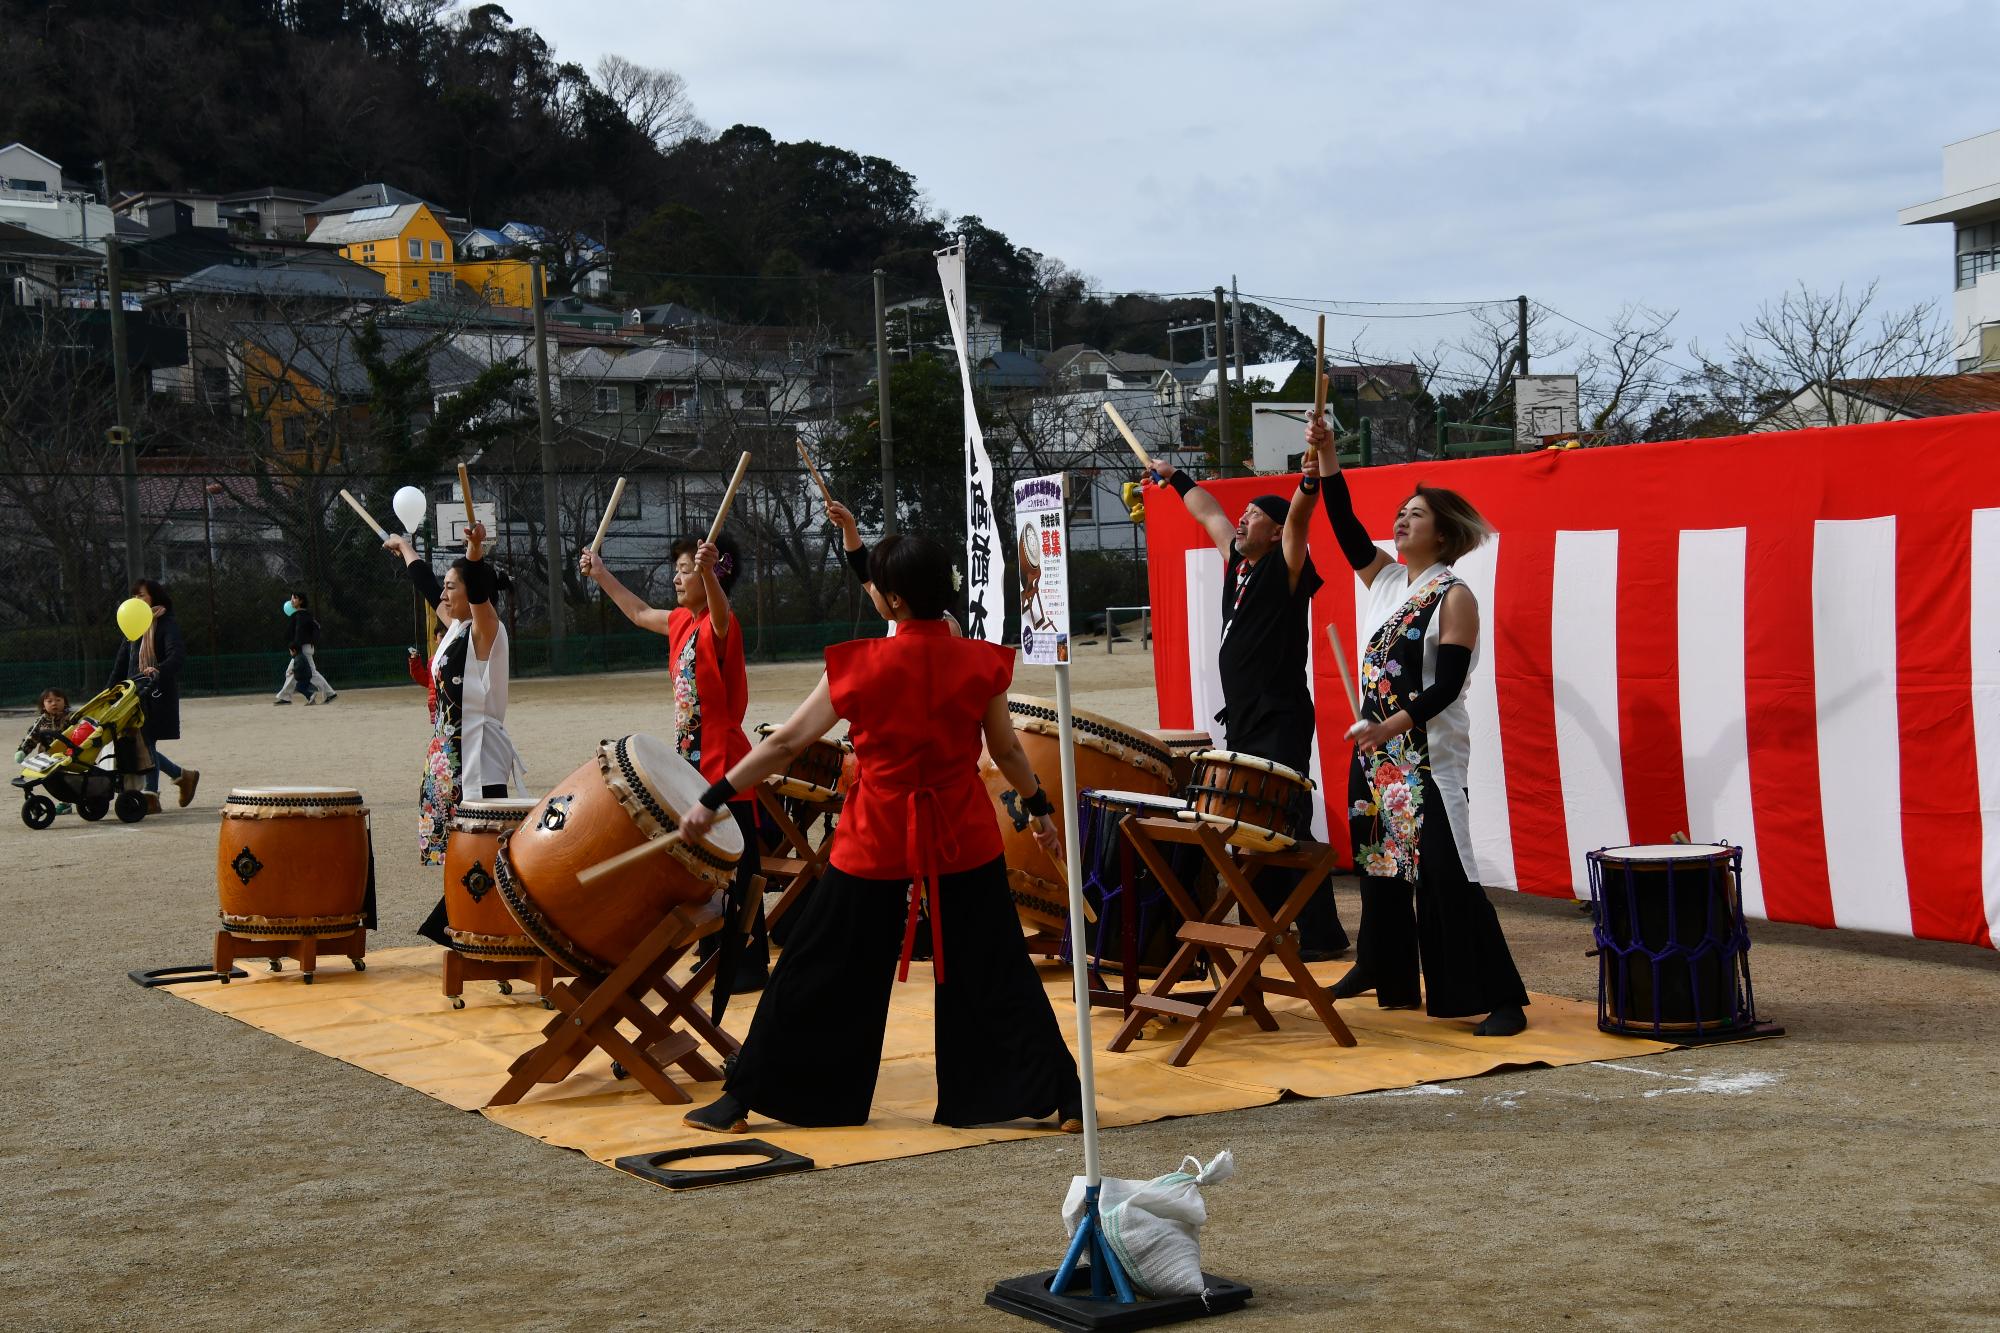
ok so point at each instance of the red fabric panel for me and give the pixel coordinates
(1783, 721)
(1649, 703)
(1523, 672)
(1942, 826)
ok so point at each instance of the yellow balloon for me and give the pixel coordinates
(134, 618)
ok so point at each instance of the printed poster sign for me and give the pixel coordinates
(1041, 544)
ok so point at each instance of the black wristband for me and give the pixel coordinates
(1308, 485)
(1181, 483)
(720, 793)
(1038, 804)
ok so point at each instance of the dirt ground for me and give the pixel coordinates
(165, 1167)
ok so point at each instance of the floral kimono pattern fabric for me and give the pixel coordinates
(1389, 788)
(438, 797)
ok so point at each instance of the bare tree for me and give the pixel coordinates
(1628, 372)
(655, 100)
(1818, 359)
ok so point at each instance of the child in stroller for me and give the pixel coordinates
(93, 759)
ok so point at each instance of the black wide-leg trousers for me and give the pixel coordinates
(815, 1044)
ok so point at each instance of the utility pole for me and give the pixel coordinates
(882, 403)
(551, 495)
(1221, 387)
(121, 375)
(1521, 335)
(1236, 330)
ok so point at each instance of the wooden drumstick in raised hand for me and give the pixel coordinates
(819, 481)
(465, 493)
(1138, 451)
(1346, 675)
(604, 524)
(1319, 372)
(728, 497)
(366, 517)
(625, 860)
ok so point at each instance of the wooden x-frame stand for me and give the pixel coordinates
(795, 862)
(590, 1009)
(1204, 934)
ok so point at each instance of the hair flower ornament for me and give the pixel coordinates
(957, 580)
(725, 564)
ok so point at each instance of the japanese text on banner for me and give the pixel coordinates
(1042, 546)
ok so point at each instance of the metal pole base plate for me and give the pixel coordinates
(1030, 1298)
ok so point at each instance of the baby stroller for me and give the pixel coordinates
(98, 764)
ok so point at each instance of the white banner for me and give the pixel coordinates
(984, 618)
(1042, 547)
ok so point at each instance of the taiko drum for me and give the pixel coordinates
(477, 922)
(1108, 755)
(631, 791)
(821, 773)
(292, 862)
(1257, 804)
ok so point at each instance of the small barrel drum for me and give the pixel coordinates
(1120, 886)
(633, 790)
(1261, 806)
(1672, 944)
(293, 863)
(1109, 755)
(1183, 746)
(477, 922)
(819, 775)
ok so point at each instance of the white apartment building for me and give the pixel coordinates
(1971, 204)
(32, 196)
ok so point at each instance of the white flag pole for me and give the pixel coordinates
(1086, 1071)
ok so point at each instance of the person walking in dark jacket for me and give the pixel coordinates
(155, 660)
(303, 647)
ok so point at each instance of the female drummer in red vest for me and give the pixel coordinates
(917, 706)
(711, 692)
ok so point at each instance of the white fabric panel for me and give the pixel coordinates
(1204, 645)
(1486, 771)
(1715, 743)
(1860, 749)
(1583, 660)
(1315, 770)
(1986, 698)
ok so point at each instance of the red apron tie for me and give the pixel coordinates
(920, 846)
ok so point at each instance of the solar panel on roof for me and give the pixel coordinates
(372, 214)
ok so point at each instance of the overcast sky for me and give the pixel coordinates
(1694, 156)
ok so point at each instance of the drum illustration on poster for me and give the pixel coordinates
(1042, 545)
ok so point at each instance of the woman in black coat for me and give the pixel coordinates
(155, 660)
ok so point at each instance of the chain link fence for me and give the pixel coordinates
(231, 547)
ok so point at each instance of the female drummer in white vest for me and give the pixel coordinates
(1407, 791)
(470, 752)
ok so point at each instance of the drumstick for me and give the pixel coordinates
(729, 497)
(1319, 373)
(818, 480)
(465, 493)
(604, 524)
(1131, 439)
(1346, 676)
(367, 518)
(626, 859)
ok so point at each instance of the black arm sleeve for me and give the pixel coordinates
(425, 580)
(1347, 529)
(479, 582)
(857, 560)
(1453, 661)
(1181, 482)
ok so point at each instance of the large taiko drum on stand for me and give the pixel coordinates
(1109, 755)
(821, 773)
(1672, 943)
(293, 863)
(477, 922)
(633, 790)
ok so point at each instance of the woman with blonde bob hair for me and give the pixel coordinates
(1407, 788)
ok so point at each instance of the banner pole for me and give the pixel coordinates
(1079, 956)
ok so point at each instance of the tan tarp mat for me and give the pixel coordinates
(393, 1020)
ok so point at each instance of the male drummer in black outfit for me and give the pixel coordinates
(1267, 708)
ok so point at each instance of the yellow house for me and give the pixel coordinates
(405, 243)
(499, 281)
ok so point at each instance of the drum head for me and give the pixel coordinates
(300, 794)
(1111, 799)
(1038, 716)
(1661, 853)
(677, 786)
(1241, 760)
(499, 807)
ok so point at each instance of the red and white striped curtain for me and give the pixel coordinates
(1790, 642)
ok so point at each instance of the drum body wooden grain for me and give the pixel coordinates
(821, 773)
(1183, 746)
(292, 862)
(1257, 804)
(476, 919)
(1108, 755)
(633, 790)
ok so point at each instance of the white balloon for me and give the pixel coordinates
(410, 508)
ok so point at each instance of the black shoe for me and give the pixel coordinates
(724, 1115)
(1504, 1022)
(1350, 986)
